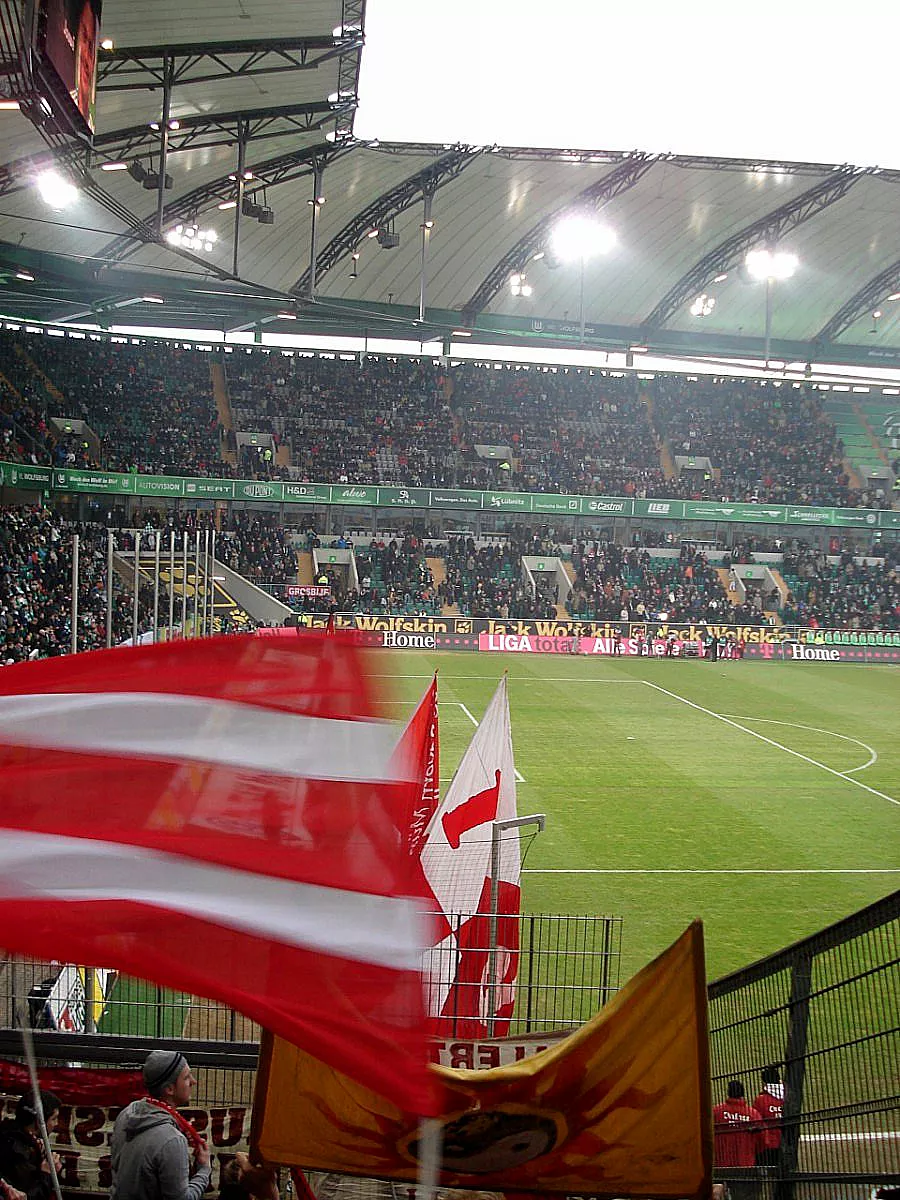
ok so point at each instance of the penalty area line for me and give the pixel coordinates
(771, 742)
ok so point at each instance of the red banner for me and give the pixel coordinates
(75, 1085)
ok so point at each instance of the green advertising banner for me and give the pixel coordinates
(810, 516)
(547, 502)
(158, 485)
(702, 510)
(174, 487)
(442, 499)
(257, 489)
(606, 506)
(508, 501)
(308, 493)
(210, 489)
(670, 509)
(93, 481)
(24, 475)
(398, 497)
(855, 516)
(353, 494)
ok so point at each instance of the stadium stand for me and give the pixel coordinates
(35, 587)
(150, 405)
(764, 443)
(850, 593)
(413, 423)
(619, 584)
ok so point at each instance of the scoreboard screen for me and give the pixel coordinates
(68, 38)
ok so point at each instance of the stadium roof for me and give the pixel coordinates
(282, 77)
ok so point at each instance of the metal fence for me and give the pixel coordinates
(826, 1013)
(568, 968)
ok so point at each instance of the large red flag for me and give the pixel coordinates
(471, 990)
(418, 750)
(222, 817)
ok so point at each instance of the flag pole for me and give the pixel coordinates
(498, 828)
(431, 1144)
(109, 587)
(171, 584)
(28, 1040)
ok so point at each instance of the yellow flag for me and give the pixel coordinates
(619, 1108)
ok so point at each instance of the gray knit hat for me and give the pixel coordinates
(162, 1068)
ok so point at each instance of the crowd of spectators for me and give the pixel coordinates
(487, 581)
(150, 405)
(618, 583)
(765, 443)
(845, 594)
(36, 587)
(395, 577)
(411, 422)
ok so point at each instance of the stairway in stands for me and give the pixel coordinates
(439, 574)
(305, 571)
(223, 406)
(861, 450)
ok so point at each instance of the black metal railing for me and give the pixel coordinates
(825, 1014)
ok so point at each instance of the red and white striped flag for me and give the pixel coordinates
(222, 817)
(456, 859)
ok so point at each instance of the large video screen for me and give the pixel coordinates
(68, 39)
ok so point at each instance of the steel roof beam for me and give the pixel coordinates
(767, 230)
(862, 303)
(388, 206)
(614, 182)
(194, 133)
(282, 169)
(141, 68)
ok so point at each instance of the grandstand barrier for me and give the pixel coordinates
(173, 487)
(824, 1011)
(589, 638)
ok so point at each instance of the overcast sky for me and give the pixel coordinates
(808, 80)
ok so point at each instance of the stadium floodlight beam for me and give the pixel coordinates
(770, 265)
(577, 237)
(55, 190)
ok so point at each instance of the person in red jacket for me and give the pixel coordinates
(769, 1104)
(737, 1138)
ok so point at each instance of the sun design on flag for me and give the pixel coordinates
(526, 1142)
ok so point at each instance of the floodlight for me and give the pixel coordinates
(107, 44)
(152, 300)
(579, 236)
(771, 264)
(703, 305)
(56, 191)
(721, 277)
(25, 275)
(894, 296)
(114, 166)
(226, 204)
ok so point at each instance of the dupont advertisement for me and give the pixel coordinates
(598, 638)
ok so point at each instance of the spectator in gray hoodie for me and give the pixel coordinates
(152, 1143)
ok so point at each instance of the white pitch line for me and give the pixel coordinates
(814, 729)
(711, 870)
(519, 778)
(770, 742)
(512, 678)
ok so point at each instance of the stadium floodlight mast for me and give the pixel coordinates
(770, 265)
(577, 237)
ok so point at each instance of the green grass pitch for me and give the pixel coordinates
(659, 810)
